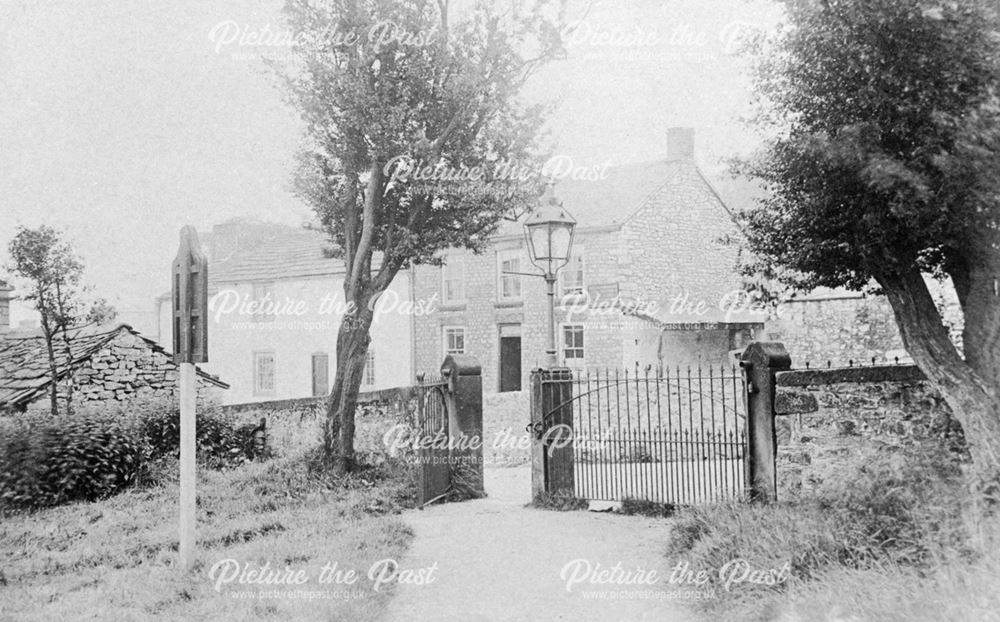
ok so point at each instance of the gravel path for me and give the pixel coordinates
(499, 561)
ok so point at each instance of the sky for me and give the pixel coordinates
(123, 120)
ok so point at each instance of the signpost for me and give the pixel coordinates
(190, 313)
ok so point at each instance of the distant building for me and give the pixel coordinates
(109, 364)
(277, 304)
(646, 233)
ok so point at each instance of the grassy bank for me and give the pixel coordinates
(116, 559)
(891, 539)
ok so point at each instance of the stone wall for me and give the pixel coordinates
(128, 367)
(297, 425)
(825, 416)
(842, 329)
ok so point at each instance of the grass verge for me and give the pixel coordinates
(891, 537)
(116, 559)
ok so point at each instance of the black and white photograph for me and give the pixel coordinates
(500, 310)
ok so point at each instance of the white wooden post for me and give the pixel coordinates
(188, 395)
(190, 314)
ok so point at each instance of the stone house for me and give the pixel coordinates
(276, 304)
(109, 364)
(649, 274)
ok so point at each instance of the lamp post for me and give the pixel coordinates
(549, 234)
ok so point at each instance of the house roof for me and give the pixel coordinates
(621, 193)
(294, 253)
(24, 367)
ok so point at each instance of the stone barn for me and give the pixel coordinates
(106, 363)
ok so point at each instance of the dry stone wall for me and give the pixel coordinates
(128, 367)
(826, 415)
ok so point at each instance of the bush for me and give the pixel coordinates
(221, 441)
(98, 451)
(46, 462)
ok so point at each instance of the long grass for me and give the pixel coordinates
(889, 537)
(117, 559)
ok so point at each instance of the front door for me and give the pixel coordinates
(510, 357)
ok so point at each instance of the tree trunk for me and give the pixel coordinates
(53, 370)
(973, 397)
(68, 353)
(352, 347)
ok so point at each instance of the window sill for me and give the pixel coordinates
(452, 306)
(511, 302)
(571, 299)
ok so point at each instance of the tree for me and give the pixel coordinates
(53, 272)
(415, 142)
(883, 125)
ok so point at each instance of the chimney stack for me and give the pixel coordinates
(680, 143)
(5, 297)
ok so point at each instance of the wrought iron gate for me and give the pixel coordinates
(668, 437)
(432, 450)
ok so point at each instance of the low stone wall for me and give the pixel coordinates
(505, 441)
(826, 415)
(297, 424)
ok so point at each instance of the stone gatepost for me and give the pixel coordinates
(760, 362)
(551, 428)
(465, 424)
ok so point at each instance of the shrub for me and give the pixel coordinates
(84, 457)
(100, 450)
(221, 440)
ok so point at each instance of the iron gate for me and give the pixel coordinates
(432, 448)
(655, 435)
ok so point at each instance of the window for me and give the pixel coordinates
(453, 279)
(508, 285)
(263, 300)
(572, 343)
(321, 374)
(454, 340)
(263, 373)
(369, 377)
(571, 276)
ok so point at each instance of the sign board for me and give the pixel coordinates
(190, 300)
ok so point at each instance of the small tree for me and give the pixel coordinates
(411, 113)
(881, 164)
(52, 273)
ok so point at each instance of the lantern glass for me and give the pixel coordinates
(539, 236)
(560, 240)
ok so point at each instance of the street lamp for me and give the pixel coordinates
(549, 234)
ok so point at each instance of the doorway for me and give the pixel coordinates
(510, 357)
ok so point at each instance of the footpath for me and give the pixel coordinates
(497, 561)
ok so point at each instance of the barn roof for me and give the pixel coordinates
(24, 366)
